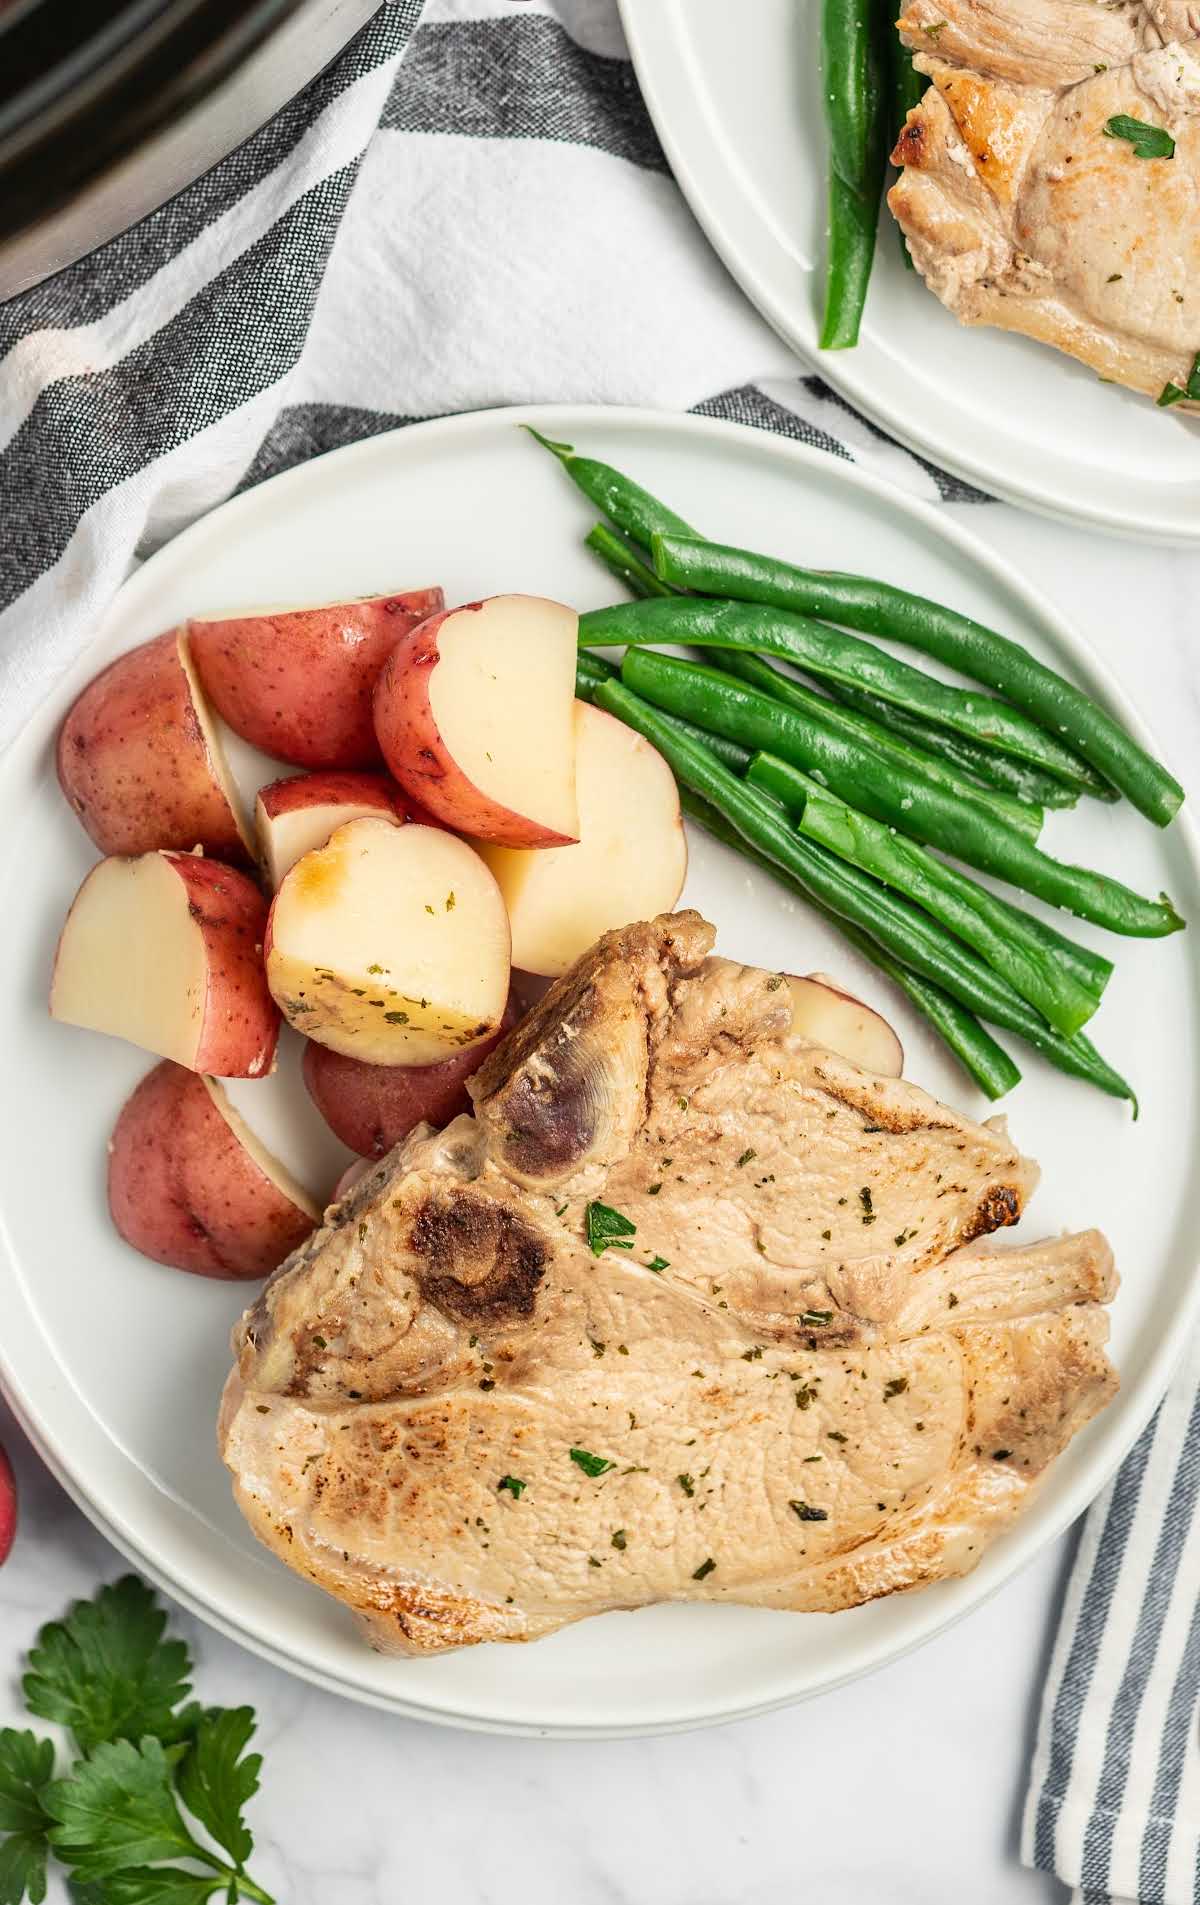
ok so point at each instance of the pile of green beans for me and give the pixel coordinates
(843, 793)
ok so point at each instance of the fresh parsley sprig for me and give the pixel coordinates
(147, 1759)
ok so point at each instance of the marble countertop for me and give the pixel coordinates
(905, 1787)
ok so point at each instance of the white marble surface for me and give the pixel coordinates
(905, 1787)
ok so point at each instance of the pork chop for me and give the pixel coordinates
(1021, 211)
(795, 1377)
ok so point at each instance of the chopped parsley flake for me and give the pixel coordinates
(807, 1513)
(746, 1157)
(705, 1568)
(895, 1387)
(592, 1465)
(688, 1485)
(816, 1319)
(618, 1538)
(605, 1227)
(514, 1485)
(1148, 142)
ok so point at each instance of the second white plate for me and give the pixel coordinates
(738, 110)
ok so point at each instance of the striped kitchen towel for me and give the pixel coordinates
(1114, 1800)
(490, 222)
(471, 208)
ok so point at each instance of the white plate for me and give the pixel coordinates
(738, 110)
(115, 1365)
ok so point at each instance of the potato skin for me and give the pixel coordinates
(240, 1025)
(332, 787)
(371, 1107)
(134, 763)
(8, 1507)
(299, 684)
(419, 759)
(184, 1191)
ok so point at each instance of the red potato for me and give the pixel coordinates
(825, 1015)
(390, 944)
(630, 862)
(191, 1186)
(166, 951)
(293, 816)
(298, 682)
(475, 715)
(141, 763)
(8, 1507)
(371, 1107)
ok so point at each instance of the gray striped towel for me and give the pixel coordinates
(1114, 1799)
(471, 208)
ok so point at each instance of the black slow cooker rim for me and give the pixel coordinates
(104, 92)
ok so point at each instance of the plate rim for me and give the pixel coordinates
(644, 20)
(1161, 1362)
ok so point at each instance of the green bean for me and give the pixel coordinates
(625, 503)
(736, 759)
(590, 671)
(871, 784)
(992, 929)
(879, 608)
(1087, 969)
(624, 559)
(907, 757)
(855, 111)
(976, 1050)
(831, 655)
(900, 928)
(850, 259)
(986, 764)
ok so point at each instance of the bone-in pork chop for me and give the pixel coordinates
(796, 1377)
(1020, 208)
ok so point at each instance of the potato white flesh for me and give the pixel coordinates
(474, 713)
(827, 1016)
(630, 861)
(166, 951)
(390, 944)
(113, 975)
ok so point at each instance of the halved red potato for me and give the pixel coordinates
(141, 762)
(298, 682)
(390, 944)
(474, 713)
(295, 815)
(8, 1507)
(371, 1107)
(825, 1015)
(190, 1185)
(166, 951)
(630, 861)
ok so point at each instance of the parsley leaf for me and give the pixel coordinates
(117, 1810)
(107, 1673)
(26, 1768)
(1148, 142)
(605, 1227)
(514, 1485)
(1186, 393)
(592, 1465)
(218, 1777)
